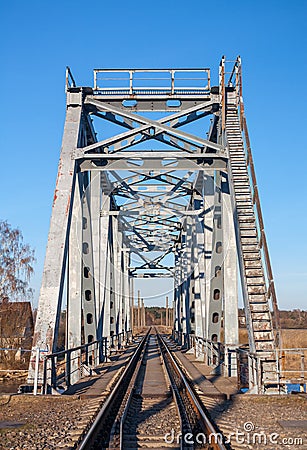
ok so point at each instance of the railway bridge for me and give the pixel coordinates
(156, 180)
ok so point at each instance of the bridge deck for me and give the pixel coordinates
(210, 384)
(225, 385)
(154, 380)
(97, 384)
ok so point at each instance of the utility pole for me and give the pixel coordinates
(139, 307)
(166, 313)
(132, 306)
(143, 313)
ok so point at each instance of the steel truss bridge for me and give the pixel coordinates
(169, 191)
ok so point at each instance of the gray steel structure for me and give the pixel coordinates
(186, 208)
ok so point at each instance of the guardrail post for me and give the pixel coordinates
(211, 354)
(68, 368)
(227, 362)
(231, 361)
(44, 385)
(253, 374)
(106, 350)
(97, 352)
(86, 355)
(95, 79)
(100, 350)
(53, 372)
(36, 373)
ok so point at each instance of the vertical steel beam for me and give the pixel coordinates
(208, 195)
(230, 324)
(185, 284)
(95, 208)
(51, 293)
(177, 307)
(88, 283)
(112, 276)
(192, 272)
(198, 255)
(74, 285)
(189, 277)
(132, 308)
(125, 290)
(105, 266)
(217, 267)
(139, 310)
(117, 248)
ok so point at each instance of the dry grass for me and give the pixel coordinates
(291, 363)
(291, 338)
(294, 338)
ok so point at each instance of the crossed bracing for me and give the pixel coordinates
(152, 189)
(143, 129)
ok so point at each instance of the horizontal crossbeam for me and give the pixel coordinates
(153, 126)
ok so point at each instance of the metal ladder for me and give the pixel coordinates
(258, 315)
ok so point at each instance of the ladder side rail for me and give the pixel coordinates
(263, 241)
(271, 291)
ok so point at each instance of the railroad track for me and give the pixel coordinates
(152, 406)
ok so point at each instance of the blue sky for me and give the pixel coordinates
(38, 39)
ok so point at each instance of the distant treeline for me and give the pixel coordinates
(155, 315)
(289, 319)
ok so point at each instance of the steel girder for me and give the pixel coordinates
(51, 293)
(124, 210)
(118, 203)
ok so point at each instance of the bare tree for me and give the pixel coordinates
(16, 264)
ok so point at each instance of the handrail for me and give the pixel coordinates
(70, 81)
(232, 72)
(83, 355)
(271, 292)
(263, 240)
(69, 350)
(128, 81)
(222, 91)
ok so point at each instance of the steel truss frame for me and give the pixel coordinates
(124, 210)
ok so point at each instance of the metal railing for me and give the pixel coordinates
(235, 81)
(151, 81)
(60, 367)
(293, 365)
(63, 368)
(292, 369)
(222, 92)
(231, 361)
(69, 79)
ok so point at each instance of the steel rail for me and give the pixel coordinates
(208, 426)
(118, 403)
(88, 440)
(126, 409)
(129, 399)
